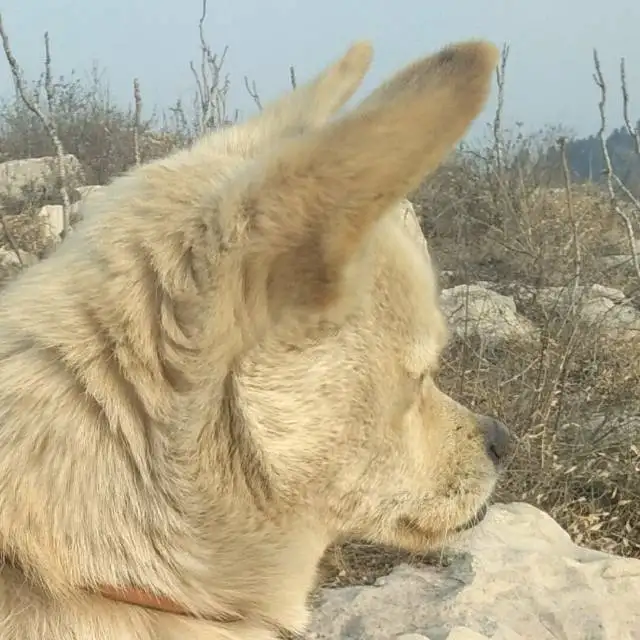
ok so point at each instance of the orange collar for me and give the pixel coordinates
(141, 598)
(133, 596)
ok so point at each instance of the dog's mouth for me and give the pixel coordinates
(475, 520)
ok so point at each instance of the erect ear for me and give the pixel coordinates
(304, 108)
(317, 196)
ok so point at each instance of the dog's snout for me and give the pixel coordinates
(497, 439)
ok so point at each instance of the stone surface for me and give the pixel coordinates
(517, 576)
(52, 215)
(476, 311)
(37, 173)
(602, 307)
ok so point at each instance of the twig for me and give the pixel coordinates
(623, 187)
(48, 80)
(577, 252)
(211, 93)
(47, 120)
(634, 132)
(53, 133)
(252, 90)
(497, 173)
(608, 169)
(497, 120)
(137, 99)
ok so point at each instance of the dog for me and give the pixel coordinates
(229, 365)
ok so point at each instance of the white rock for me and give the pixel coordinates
(616, 261)
(518, 576)
(464, 633)
(52, 215)
(476, 311)
(501, 633)
(41, 173)
(603, 307)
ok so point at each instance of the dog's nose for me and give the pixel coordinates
(497, 439)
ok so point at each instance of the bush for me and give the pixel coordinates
(91, 126)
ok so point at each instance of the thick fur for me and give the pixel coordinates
(228, 366)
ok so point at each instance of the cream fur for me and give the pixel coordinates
(227, 367)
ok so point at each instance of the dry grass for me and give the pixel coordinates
(568, 399)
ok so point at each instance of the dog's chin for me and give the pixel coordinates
(417, 537)
(474, 521)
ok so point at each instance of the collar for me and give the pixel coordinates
(141, 598)
(138, 597)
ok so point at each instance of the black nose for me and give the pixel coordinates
(497, 439)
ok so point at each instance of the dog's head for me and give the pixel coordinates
(337, 387)
(323, 324)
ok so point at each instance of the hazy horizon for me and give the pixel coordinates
(549, 74)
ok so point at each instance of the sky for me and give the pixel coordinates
(549, 74)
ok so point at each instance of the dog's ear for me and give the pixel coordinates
(306, 107)
(314, 200)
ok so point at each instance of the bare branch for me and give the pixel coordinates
(575, 225)
(608, 169)
(252, 90)
(211, 89)
(137, 99)
(47, 120)
(634, 132)
(204, 55)
(497, 120)
(48, 80)
(627, 192)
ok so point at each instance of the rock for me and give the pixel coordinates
(616, 261)
(609, 427)
(604, 307)
(464, 633)
(37, 173)
(560, 297)
(516, 576)
(476, 311)
(622, 259)
(52, 216)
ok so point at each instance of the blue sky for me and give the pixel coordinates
(549, 78)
